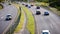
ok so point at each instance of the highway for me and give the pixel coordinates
(51, 22)
(8, 9)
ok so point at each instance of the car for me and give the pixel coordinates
(23, 4)
(32, 5)
(9, 3)
(26, 5)
(38, 12)
(45, 32)
(29, 6)
(8, 17)
(46, 13)
(37, 7)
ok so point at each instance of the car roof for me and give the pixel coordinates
(45, 30)
(46, 11)
(8, 14)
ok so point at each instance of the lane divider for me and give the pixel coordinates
(30, 23)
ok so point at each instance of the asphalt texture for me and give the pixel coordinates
(50, 22)
(8, 9)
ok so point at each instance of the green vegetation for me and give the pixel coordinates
(20, 25)
(2, 0)
(54, 4)
(30, 22)
(42, 4)
(55, 11)
(42, 1)
(1, 6)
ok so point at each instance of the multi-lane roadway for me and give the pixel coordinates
(51, 22)
(8, 9)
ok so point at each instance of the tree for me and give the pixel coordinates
(2, 0)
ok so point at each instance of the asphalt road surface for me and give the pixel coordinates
(8, 9)
(51, 22)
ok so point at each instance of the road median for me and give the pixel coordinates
(30, 23)
(21, 22)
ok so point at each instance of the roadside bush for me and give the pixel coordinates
(58, 8)
(1, 6)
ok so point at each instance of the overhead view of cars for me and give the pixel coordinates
(9, 3)
(29, 6)
(32, 5)
(46, 13)
(37, 7)
(8, 17)
(26, 5)
(38, 12)
(23, 4)
(45, 32)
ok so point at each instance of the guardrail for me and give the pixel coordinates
(12, 27)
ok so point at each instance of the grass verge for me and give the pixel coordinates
(42, 4)
(1, 6)
(20, 25)
(56, 11)
(30, 22)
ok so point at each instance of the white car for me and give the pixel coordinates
(45, 32)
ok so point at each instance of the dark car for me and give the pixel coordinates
(45, 33)
(8, 17)
(23, 4)
(9, 3)
(26, 5)
(32, 5)
(46, 13)
(37, 7)
(38, 12)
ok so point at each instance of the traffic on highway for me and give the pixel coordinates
(46, 22)
(7, 17)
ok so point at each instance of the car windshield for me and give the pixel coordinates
(8, 15)
(45, 33)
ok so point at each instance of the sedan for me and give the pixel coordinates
(38, 12)
(32, 5)
(22, 4)
(46, 13)
(9, 3)
(26, 5)
(37, 7)
(8, 17)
